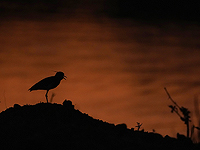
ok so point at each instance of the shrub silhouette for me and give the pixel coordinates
(184, 115)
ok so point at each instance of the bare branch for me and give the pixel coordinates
(171, 97)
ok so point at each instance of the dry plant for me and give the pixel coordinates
(138, 126)
(183, 113)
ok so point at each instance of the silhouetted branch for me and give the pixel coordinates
(197, 128)
(185, 112)
(171, 97)
(138, 125)
(52, 96)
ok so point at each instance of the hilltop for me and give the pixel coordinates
(60, 126)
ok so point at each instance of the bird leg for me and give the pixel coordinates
(47, 95)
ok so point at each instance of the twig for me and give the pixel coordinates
(138, 125)
(52, 96)
(171, 98)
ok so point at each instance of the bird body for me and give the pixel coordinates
(48, 83)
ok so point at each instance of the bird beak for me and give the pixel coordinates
(64, 77)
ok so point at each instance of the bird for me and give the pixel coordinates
(48, 83)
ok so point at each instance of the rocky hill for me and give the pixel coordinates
(56, 126)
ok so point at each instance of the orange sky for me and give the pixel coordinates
(116, 70)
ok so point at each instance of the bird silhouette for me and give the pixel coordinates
(48, 83)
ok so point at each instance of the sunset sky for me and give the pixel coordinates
(117, 62)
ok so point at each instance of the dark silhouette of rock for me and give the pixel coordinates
(56, 126)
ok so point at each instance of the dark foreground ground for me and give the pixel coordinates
(56, 126)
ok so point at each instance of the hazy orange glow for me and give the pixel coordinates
(116, 69)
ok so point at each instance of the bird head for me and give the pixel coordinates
(60, 75)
